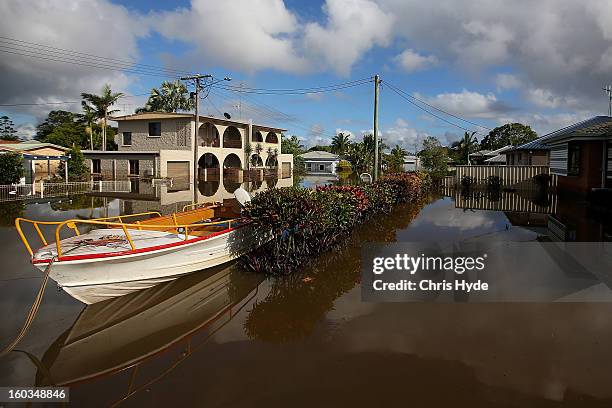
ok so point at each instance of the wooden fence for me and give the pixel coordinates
(519, 177)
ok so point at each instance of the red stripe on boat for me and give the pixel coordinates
(140, 250)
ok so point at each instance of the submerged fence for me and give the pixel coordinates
(509, 176)
(41, 189)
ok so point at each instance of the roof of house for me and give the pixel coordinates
(174, 115)
(595, 126)
(490, 153)
(500, 158)
(30, 145)
(319, 155)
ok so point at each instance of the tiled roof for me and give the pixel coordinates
(595, 126)
(30, 145)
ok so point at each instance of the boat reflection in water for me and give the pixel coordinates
(121, 333)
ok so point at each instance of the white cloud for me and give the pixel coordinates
(468, 104)
(95, 26)
(403, 134)
(26, 131)
(352, 28)
(245, 35)
(545, 98)
(411, 60)
(507, 81)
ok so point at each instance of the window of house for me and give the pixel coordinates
(134, 168)
(127, 139)
(321, 167)
(154, 128)
(573, 159)
(96, 165)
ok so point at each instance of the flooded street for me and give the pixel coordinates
(233, 338)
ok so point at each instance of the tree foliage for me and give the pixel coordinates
(77, 170)
(461, 149)
(100, 104)
(434, 157)
(169, 97)
(7, 129)
(11, 168)
(340, 143)
(509, 134)
(292, 145)
(395, 159)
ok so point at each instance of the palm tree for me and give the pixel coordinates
(340, 143)
(170, 97)
(101, 103)
(466, 146)
(396, 158)
(89, 116)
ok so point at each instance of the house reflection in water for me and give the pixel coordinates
(168, 197)
(554, 217)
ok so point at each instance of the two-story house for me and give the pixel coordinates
(159, 145)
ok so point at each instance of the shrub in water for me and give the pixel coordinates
(306, 222)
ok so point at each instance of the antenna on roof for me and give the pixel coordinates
(227, 115)
(608, 90)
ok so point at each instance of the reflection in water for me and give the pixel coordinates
(296, 303)
(208, 188)
(112, 335)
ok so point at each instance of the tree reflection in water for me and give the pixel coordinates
(297, 303)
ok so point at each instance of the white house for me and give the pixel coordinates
(320, 162)
(412, 163)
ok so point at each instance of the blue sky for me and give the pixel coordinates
(490, 62)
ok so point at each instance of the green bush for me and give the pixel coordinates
(307, 222)
(11, 168)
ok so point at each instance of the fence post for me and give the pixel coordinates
(42, 189)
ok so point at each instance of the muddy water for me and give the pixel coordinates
(230, 338)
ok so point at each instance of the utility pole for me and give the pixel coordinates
(197, 80)
(376, 89)
(608, 90)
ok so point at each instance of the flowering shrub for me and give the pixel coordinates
(307, 222)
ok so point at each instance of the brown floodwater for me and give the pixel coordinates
(227, 337)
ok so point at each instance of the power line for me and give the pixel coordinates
(431, 113)
(296, 91)
(27, 46)
(60, 103)
(397, 89)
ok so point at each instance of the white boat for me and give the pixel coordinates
(123, 257)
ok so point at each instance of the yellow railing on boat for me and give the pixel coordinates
(199, 205)
(72, 224)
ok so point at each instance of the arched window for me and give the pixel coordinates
(232, 138)
(271, 138)
(257, 136)
(208, 135)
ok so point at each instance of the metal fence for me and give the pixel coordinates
(41, 189)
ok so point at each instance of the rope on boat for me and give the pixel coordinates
(33, 310)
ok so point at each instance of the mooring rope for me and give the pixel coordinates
(33, 310)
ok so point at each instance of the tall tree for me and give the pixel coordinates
(464, 147)
(7, 129)
(292, 145)
(101, 104)
(11, 168)
(340, 143)
(62, 128)
(509, 134)
(396, 158)
(169, 97)
(89, 117)
(434, 157)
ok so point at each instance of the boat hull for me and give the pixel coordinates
(93, 280)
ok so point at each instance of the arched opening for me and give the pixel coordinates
(256, 160)
(257, 136)
(208, 135)
(271, 138)
(271, 162)
(208, 167)
(231, 172)
(232, 138)
(232, 161)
